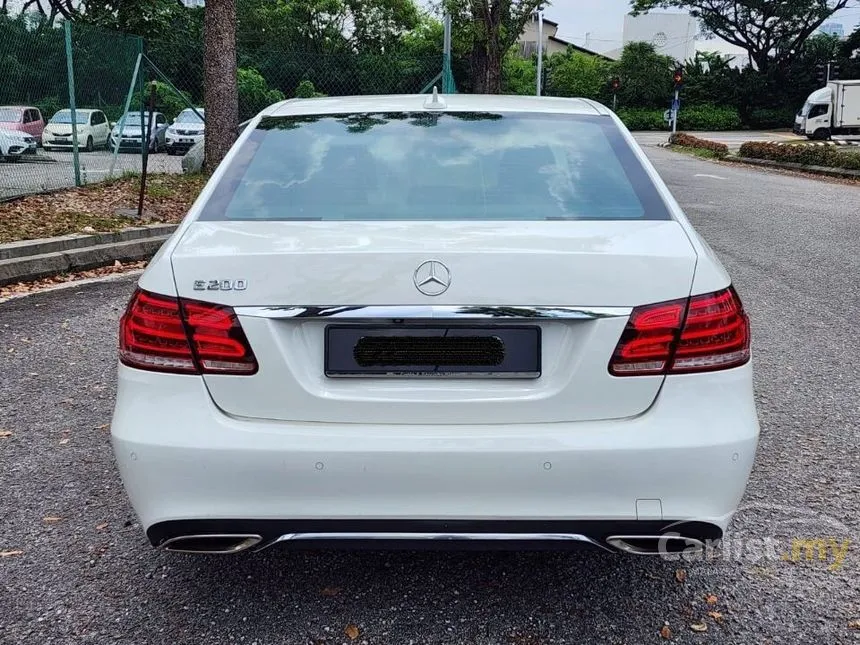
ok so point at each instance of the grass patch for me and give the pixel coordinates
(703, 153)
(96, 206)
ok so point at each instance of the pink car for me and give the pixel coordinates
(22, 118)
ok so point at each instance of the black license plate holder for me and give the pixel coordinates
(452, 351)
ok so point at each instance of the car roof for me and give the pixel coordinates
(18, 107)
(452, 103)
(78, 110)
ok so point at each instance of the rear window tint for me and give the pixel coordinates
(435, 166)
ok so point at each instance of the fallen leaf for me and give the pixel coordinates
(64, 441)
(103, 426)
(7, 554)
(699, 627)
(854, 624)
(680, 575)
(665, 632)
(5, 433)
(101, 526)
(351, 631)
(51, 518)
(711, 599)
(330, 591)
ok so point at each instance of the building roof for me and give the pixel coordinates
(583, 50)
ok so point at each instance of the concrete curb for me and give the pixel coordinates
(35, 259)
(841, 173)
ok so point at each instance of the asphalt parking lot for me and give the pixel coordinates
(55, 169)
(78, 569)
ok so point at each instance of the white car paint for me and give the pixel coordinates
(576, 445)
(186, 131)
(13, 144)
(92, 125)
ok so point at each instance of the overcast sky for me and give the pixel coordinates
(604, 21)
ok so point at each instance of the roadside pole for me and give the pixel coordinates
(152, 89)
(676, 106)
(70, 71)
(540, 53)
(678, 78)
(121, 125)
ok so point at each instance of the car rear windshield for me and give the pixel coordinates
(435, 166)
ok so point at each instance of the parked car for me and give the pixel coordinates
(185, 131)
(13, 144)
(132, 135)
(496, 328)
(193, 160)
(92, 128)
(24, 119)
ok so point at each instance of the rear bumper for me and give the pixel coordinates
(187, 466)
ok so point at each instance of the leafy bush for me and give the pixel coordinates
(306, 90)
(519, 75)
(689, 141)
(254, 93)
(642, 119)
(706, 117)
(805, 154)
(575, 74)
(765, 119)
(166, 100)
(709, 117)
(49, 106)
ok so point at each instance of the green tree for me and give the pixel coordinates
(770, 31)
(709, 79)
(487, 29)
(254, 93)
(646, 76)
(573, 73)
(519, 75)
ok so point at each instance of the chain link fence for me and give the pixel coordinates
(52, 70)
(64, 86)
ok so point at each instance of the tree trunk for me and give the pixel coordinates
(221, 97)
(486, 69)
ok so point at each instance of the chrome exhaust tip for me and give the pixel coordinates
(220, 543)
(656, 544)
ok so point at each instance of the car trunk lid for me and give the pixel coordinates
(266, 268)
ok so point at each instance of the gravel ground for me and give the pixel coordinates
(85, 573)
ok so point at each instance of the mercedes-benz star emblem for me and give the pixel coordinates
(432, 278)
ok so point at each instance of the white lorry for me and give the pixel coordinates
(832, 110)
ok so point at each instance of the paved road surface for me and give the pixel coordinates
(50, 170)
(732, 139)
(90, 577)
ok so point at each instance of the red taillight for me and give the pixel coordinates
(165, 334)
(702, 333)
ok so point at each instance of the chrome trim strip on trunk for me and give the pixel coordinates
(434, 312)
(524, 537)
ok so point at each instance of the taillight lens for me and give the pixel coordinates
(698, 334)
(165, 334)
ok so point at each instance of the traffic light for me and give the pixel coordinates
(834, 72)
(821, 68)
(678, 77)
(615, 83)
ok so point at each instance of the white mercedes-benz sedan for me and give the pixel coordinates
(435, 320)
